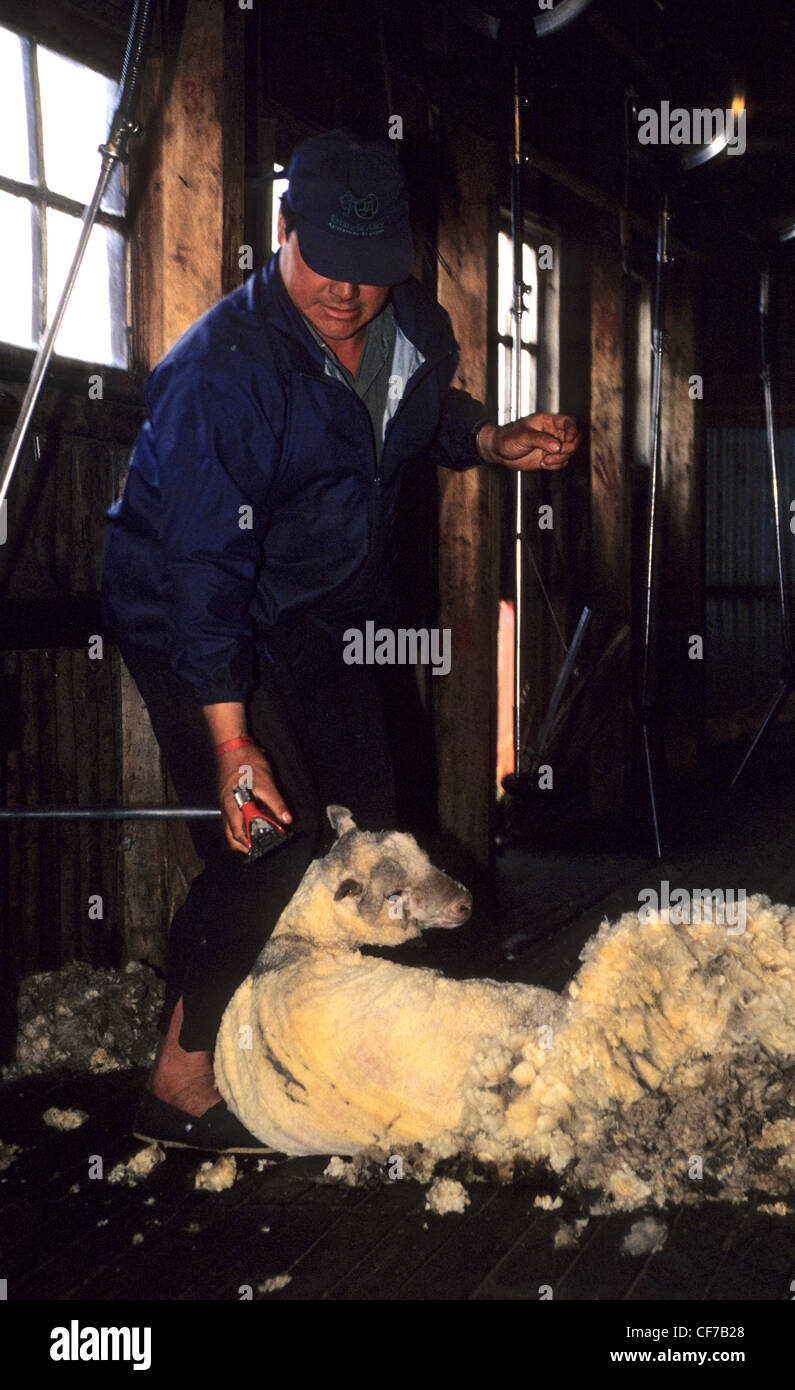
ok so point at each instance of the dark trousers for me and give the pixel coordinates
(323, 727)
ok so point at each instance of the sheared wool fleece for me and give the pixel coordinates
(87, 1019)
(671, 1044)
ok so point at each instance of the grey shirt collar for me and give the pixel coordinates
(371, 381)
(379, 344)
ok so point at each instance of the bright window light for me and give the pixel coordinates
(71, 142)
(16, 301)
(54, 115)
(14, 155)
(505, 404)
(279, 187)
(643, 336)
(87, 329)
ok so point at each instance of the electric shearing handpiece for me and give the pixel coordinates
(263, 833)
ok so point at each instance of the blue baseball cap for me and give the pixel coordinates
(351, 207)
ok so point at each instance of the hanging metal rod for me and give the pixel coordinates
(658, 349)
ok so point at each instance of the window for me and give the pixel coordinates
(540, 356)
(54, 114)
(278, 187)
(643, 371)
(540, 257)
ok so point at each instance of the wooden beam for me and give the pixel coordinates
(591, 193)
(680, 674)
(143, 845)
(187, 213)
(187, 178)
(93, 34)
(465, 700)
(610, 516)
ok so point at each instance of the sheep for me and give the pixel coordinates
(325, 1050)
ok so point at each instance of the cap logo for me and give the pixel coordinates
(365, 207)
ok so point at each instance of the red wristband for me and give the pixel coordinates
(232, 743)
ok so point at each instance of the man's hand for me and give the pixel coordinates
(261, 784)
(535, 441)
(225, 722)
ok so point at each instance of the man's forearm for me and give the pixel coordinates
(225, 721)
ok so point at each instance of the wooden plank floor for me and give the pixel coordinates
(334, 1242)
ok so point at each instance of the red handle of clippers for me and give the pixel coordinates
(262, 832)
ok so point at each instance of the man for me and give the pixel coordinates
(256, 527)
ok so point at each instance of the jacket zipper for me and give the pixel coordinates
(414, 380)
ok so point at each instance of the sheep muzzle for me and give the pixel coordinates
(438, 901)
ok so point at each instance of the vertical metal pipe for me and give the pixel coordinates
(658, 348)
(771, 450)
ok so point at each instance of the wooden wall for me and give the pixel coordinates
(680, 690)
(601, 501)
(610, 509)
(59, 696)
(466, 718)
(619, 486)
(74, 730)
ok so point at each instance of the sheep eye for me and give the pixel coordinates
(349, 888)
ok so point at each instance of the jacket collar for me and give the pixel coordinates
(417, 314)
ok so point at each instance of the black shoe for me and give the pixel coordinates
(217, 1130)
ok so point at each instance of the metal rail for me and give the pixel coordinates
(15, 813)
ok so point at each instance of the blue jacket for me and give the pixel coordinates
(253, 494)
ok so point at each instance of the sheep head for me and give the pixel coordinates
(382, 889)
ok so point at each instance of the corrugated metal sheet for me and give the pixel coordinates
(744, 640)
(740, 530)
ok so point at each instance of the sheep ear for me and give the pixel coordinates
(341, 819)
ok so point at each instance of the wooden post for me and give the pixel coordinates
(187, 178)
(680, 667)
(465, 700)
(610, 519)
(187, 201)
